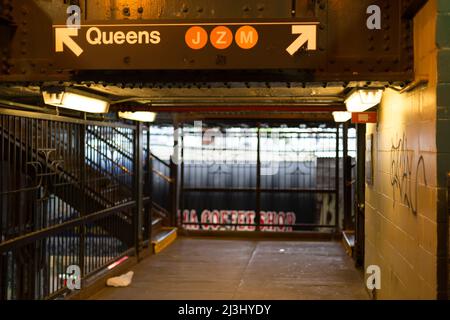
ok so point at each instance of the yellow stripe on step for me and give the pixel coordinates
(162, 243)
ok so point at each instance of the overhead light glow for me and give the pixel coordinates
(142, 116)
(342, 116)
(361, 100)
(76, 101)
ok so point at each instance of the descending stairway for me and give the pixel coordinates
(105, 192)
(96, 183)
(52, 173)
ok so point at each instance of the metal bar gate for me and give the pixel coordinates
(85, 193)
(260, 178)
(72, 193)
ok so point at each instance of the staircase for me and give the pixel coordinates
(87, 187)
(103, 180)
(52, 173)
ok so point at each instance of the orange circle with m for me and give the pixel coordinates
(246, 37)
(221, 37)
(196, 38)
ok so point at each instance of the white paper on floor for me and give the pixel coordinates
(121, 281)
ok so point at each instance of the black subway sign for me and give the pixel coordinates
(193, 45)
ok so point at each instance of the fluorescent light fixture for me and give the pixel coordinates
(361, 100)
(142, 116)
(342, 116)
(52, 98)
(76, 101)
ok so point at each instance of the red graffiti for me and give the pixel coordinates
(237, 220)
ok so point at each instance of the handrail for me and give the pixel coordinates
(159, 159)
(118, 165)
(51, 117)
(93, 194)
(160, 210)
(42, 233)
(125, 136)
(84, 223)
(164, 177)
(117, 148)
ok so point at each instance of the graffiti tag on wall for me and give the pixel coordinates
(401, 172)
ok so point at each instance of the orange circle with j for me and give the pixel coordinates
(246, 37)
(221, 37)
(196, 38)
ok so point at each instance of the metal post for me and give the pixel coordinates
(180, 192)
(149, 190)
(82, 146)
(174, 176)
(346, 179)
(3, 278)
(258, 181)
(138, 186)
(336, 202)
(447, 237)
(360, 194)
(173, 179)
(3, 257)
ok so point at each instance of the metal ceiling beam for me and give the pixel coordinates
(412, 7)
(237, 108)
(249, 118)
(351, 53)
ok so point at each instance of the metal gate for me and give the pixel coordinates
(72, 193)
(263, 177)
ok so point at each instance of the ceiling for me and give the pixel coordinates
(202, 100)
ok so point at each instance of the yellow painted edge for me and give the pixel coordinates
(161, 245)
(347, 247)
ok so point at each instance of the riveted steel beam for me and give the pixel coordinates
(349, 50)
(411, 7)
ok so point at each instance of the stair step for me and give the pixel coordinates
(348, 239)
(163, 239)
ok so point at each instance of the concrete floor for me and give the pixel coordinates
(210, 269)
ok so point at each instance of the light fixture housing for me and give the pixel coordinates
(142, 116)
(361, 100)
(342, 116)
(76, 100)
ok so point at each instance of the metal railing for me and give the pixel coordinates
(72, 192)
(260, 178)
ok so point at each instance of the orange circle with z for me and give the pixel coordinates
(221, 37)
(246, 37)
(196, 38)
